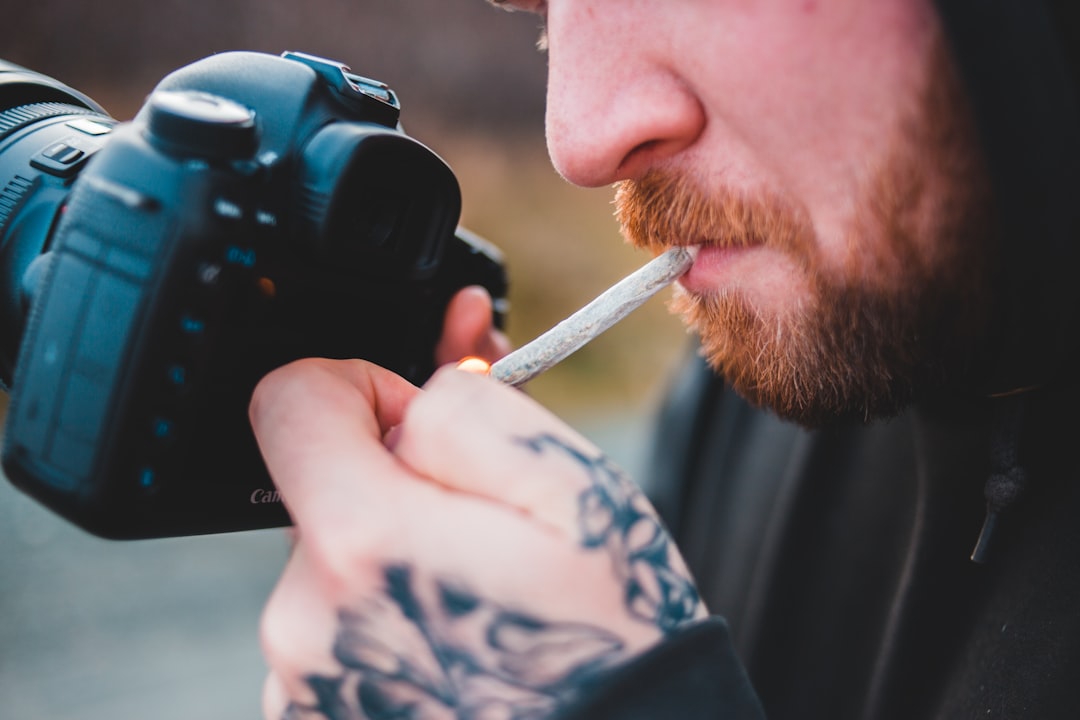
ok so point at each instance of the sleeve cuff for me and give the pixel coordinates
(692, 675)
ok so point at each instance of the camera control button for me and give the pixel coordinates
(228, 210)
(241, 256)
(148, 479)
(162, 431)
(177, 377)
(65, 157)
(208, 273)
(63, 153)
(192, 326)
(266, 219)
(199, 124)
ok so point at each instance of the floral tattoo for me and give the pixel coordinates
(614, 514)
(433, 649)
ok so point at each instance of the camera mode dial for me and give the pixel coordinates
(198, 124)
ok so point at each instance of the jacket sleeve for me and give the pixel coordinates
(693, 675)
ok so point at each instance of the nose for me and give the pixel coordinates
(616, 104)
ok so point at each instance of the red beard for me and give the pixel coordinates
(862, 341)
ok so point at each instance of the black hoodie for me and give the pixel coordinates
(841, 558)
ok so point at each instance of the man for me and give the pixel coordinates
(882, 194)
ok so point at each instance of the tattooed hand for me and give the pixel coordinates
(460, 552)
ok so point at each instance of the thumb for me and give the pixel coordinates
(468, 329)
(320, 427)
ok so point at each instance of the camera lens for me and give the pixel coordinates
(48, 132)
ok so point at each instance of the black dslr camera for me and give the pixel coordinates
(259, 209)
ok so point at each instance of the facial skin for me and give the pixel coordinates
(822, 154)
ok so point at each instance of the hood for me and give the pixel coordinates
(1020, 61)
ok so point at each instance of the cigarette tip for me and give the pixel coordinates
(475, 365)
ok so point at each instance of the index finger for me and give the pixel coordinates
(319, 425)
(476, 436)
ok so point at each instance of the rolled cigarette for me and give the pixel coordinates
(574, 332)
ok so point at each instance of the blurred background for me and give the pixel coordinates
(96, 630)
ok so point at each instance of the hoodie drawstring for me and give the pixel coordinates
(1008, 477)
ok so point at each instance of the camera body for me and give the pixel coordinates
(258, 209)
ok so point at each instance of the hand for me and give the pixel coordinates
(468, 329)
(484, 567)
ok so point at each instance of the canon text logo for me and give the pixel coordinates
(260, 496)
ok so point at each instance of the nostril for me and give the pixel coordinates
(637, 159)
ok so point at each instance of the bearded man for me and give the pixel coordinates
(868, 474)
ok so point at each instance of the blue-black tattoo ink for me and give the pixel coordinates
(614, 514)
(438, 649)
(521, 668)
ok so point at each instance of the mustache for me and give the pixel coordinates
(662, 209)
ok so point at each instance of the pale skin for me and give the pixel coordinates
(793, 96)
(459, 551)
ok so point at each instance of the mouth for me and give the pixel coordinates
(716, 265)
(709, 265)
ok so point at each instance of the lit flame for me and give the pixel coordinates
(476, 365)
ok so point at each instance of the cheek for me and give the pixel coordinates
(812, 89)
(864, 257)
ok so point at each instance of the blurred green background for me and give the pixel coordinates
(91, 629)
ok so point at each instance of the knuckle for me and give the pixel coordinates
(279, 383)
(275, 637)
(344, 559)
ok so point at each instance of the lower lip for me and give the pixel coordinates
(711, 269)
